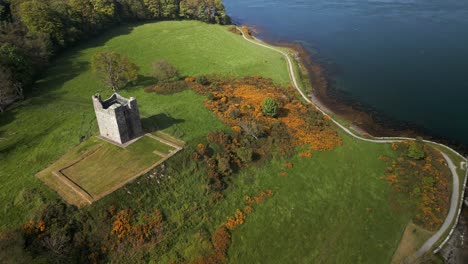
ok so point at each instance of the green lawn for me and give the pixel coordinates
(330, 208)
(110, 165)
(99, 167)
(59, 112)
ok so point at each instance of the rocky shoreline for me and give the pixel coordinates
(367, 121)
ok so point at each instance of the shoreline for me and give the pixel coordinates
(456, 200)
(364, 119)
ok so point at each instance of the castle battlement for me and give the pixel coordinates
(118, 118)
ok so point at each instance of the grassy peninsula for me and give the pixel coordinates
(332, 207)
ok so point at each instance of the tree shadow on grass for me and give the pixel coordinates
(69, 64)
(159, 122)
(142, 81)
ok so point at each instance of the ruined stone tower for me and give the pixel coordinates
(118, 118)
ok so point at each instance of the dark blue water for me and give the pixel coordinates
(407, 59)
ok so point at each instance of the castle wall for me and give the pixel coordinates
(133, 118)
(108, 123)
(118, 118)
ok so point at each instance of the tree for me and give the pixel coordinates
(252, 128)
(12, 57)
(416, 151)
(10, 90)
(5, 86)
(163, 71)
(270, 107)
(105, 7)
(115, 70)
(170, 8)
(4, 10)
(154, 7)
(39, 17)
(134, 10)
(12, 248)
(245, 154)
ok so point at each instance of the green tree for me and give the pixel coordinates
(154, 7)
(10, 89)
(115, 70)
(220, 13)
(134, 10)
(416, 151)
(39, 17)
(12, 57)
(245, 154)
(170, 8)
(270, 107)
(3, 10)
(105, 7)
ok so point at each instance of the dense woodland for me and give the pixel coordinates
(32, 31)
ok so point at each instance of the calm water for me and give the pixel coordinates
(407, 58)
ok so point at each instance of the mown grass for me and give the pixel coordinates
(332, 207)
(110, 165)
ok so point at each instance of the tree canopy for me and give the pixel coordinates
(31, 31)
(115, 70)
(270, 107)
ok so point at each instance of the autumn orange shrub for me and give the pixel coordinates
(149, 230)
(246, 31)
(34, 228)
(301, 124)
(121, 226)
(259, 198)
(236, 220)
(190, 79)
(425, 183)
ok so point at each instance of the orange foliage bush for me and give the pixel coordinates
(248, 209)
(236, 220)
(246, 31)
(149, 230)
(259, 198)
(425, 182)
(34, 228)
(190, 79)
(303, 124)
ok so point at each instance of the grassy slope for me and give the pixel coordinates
(331, 207)
(60, 112)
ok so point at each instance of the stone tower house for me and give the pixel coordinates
(118, 118)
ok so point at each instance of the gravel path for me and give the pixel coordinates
(452, 214)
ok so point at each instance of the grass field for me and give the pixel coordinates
(58, 113)
(330, 208)
(98, 167)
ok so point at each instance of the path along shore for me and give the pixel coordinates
(456, 200)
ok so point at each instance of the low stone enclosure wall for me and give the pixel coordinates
(97, 168)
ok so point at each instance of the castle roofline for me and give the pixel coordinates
(113, 102)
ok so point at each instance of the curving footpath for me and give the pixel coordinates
(452, 214)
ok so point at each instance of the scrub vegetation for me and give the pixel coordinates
(248, 187)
